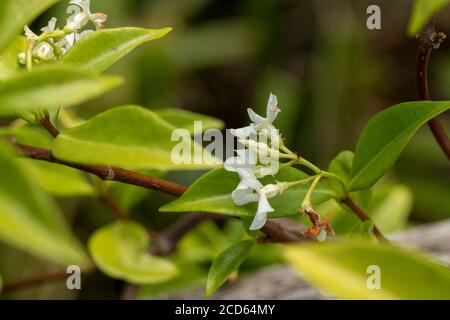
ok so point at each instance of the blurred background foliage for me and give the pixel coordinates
(331, 74)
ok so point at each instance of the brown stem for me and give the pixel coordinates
(47, 124)
(429, 39)
(35, 281)
(363, 216)
(272, 227)
(108, 201)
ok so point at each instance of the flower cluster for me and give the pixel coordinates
(259, 158)
(54, 42)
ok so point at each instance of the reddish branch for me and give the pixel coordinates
(35, 281)
(429, 39)
(364, 217)
(164, 243)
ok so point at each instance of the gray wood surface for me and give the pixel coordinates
(281, 282)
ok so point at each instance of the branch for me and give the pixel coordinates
(363, 216)
(35, 281)
(429, 39)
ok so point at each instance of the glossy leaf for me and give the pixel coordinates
(57, 179)
(422, 12)
(99, 50)
(129, 136)
(9, 61)
(49, 87)
(212, 193)
(384, 138)
(30, 220)
(120, 250)
(342, 166)
(185, 119)
(345, 270)
(14, 14)
(389, 209)
(227, 263)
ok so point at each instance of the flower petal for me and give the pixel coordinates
(261, 214)
(256, 118)
(243, 133)
(272, 108)
(243, 195)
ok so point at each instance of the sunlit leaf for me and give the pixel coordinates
(185, 119)
(227, 263)
(49, 87)
(99, 50)
(9, 60)
(129, 136)
(349, 271)
(57, 179)
(121, 251)
(212, 193)
(422, 12)
(30, 220)
(384, 138)
(14, 14)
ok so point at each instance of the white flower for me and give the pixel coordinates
(23, 58)
(79, 20)
(44, 51)
(51, 26)
(261, 148)
(258, 121)
(322, 236)
(30, 34)
(264, 207)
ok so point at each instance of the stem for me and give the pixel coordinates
(29, 57)
(363, 216)
(429, 39)
(306, 163)
(47, 124)
(307, 201)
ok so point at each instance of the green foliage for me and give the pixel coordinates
(120, 250)
(342, 269)
(212, 193)
(422, 12)
(9, 62)
(30, 220)
(14, 14)
(129, 136)
(99, 50)
(384, 138)
(58, 180)
(185, 119)
(227, 263)
(389, 208)
(50, 87)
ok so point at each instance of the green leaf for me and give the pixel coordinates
(227, 263)
(120, 250)
(49, 87)
(28, 135)
(30, 220)
(57, 179)
(342, 166)
(9, 60)
(343, 269)
(212, 193)
(422, 12)
(14, 14)
(129, 136)
(389, 209)
(1, 283)
(99, 50)
(384, 138)
(185, 119)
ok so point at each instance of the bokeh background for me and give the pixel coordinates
(331, 74)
